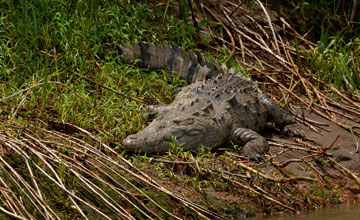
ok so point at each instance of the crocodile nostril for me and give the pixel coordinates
(129, 142)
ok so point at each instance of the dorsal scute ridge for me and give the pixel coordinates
(188, 65)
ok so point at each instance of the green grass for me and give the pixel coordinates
(336, 62)
(311, 17)
(329, 25)
(58, 41)
(47, 41)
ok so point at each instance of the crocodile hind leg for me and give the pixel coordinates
(281, 118)
(255, 145)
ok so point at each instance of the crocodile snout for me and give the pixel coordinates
(131, 142)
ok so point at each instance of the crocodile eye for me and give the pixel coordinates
(187, 121)
(159, 118)
(194, 132)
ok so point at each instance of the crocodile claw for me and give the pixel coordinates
(292, 130)
(255, 150)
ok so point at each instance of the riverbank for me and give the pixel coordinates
(67, 102)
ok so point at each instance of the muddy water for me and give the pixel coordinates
(336, 212)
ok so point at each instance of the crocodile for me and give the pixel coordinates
(217, 108)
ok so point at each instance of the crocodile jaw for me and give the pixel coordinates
(183, 131)
(147, 140)
(138, 144)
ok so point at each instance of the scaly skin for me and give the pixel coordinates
(218, 111)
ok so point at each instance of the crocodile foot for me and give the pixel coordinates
(256, 149)
(293, 130)
(255, 145)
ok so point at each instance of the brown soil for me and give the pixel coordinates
(342, 144)
(298, 174)
(325, 165)
(250, 20)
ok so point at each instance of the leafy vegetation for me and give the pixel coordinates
(45, 41)
(334, 28)
(313, 18)
(55, 59)
(336, 62)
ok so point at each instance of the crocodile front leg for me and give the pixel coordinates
(255, 145)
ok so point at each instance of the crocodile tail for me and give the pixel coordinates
(188, 65)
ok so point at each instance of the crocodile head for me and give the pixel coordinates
(186, 132)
